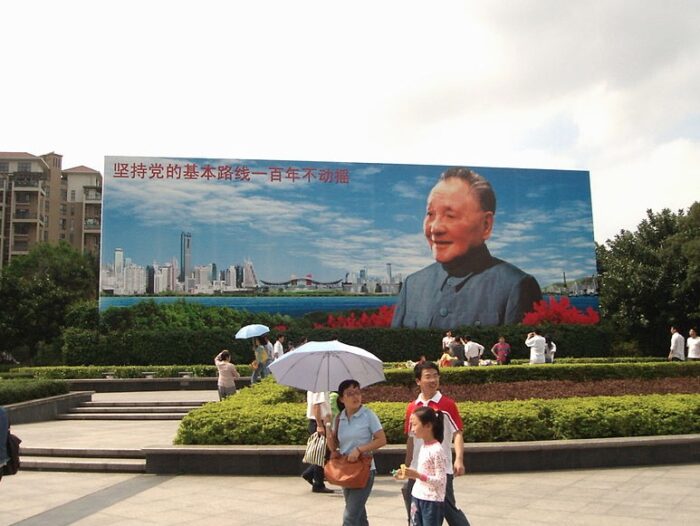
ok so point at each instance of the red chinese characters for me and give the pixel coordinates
(233, 173)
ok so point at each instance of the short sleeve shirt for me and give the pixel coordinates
(321, 398)
(357, 430)
(451, 419)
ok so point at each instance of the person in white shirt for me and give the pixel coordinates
(318, 412)
(278, 349)
(693, 343)
(472, 351)
(550, 349)
(677, 346)
(447, 340)
(536, 342)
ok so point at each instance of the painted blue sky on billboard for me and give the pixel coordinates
(328, 226)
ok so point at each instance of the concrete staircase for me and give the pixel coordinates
(129, 411)
(86, 460)
(103, 460)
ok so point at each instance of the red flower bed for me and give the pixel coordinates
(561, 311)
(381, 318)
(538, 389)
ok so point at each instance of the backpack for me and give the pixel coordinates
(12, 465)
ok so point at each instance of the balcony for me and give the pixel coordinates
(20, 246)
(28, 215)
(92, 224)
(27, 182)
(92, 196)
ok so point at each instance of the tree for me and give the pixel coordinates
(36, 292)
(651, 278)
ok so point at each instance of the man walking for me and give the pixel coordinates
(428, 379)
(677, 353)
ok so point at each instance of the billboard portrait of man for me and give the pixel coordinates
(465, 285)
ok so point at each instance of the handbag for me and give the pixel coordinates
(353, 475)
(315, 449)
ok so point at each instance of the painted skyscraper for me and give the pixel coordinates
(185, 256)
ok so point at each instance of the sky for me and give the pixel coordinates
(332, 219)
(609, 87)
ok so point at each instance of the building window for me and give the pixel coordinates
(24, 166)
(4, 167)
(72, 195)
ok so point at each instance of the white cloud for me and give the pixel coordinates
(612, 86)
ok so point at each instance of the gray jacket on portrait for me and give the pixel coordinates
(484, 291)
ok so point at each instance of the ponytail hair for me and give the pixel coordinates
(435, 419)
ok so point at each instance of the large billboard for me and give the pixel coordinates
(442, 245)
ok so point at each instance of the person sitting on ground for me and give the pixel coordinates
(447, 359)
(227, 374)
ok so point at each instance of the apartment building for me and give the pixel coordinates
(40, 202)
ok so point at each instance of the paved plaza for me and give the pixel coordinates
(619, 497)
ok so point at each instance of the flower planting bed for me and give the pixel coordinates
(493, 392)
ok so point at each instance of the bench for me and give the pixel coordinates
(148, 374)
(109, 375)
(186, 374)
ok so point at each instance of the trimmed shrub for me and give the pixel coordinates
(123, 371)
(268, 413)
(21, 390)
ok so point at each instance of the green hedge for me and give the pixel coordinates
(123, 371)
(179, 346)
(20, 390)
(269, 413)
(193, 346)
(580, 372)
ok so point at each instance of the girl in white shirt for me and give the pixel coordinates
(428, 495)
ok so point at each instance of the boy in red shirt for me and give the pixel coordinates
(428, 379)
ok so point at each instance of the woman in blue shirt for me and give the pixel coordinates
(358, 432)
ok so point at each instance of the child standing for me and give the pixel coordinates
(428, 494)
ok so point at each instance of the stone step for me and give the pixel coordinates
(187, 403)
(120, 416)
(81, 453)
(93, 465)
(122, 409)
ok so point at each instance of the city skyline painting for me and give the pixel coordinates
(328, 219)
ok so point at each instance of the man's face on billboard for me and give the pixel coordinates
(454, 221)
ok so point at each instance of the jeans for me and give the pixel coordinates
(426, 512)
(260, 372)
(453, 515)
(314, 472)
(355, 513)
